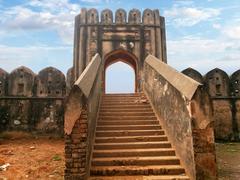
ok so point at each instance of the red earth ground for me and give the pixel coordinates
(42, 157)
(31, 157)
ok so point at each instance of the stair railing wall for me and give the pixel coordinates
(81, 113)
(185, 112)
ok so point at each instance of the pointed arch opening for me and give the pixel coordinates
(120, 77)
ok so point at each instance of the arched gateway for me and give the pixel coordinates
(128, 41)
(123, 56)
(113, 136)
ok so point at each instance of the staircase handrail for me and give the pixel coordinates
(184, 109)
(82, 87)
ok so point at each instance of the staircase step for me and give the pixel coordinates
(128, 127)
(137, 170)
(103, 110)
(134, 152)
(132, 145)
(159, 177)
(132, 106)
(125, 101)
(127, 114)
(129, 133)
(126, 122)
(125, 139)
(120, 104)
(117, 117)
(135, 161)
(124, 98)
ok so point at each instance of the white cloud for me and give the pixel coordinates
(34, 57)
(233, 31)
(216, 26)
(204, 54)
(55, 5)
(42, 15)
(189, 16)
(91, 1)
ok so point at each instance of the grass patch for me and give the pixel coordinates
(56, 157)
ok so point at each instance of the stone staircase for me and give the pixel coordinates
(130, 143)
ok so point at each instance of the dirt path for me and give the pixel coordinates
(32, 158)
(228, 159)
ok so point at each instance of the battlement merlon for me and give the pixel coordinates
(92, 17)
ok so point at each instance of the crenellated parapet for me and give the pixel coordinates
(23, 82)
(106, 17)
(224, 91)
(50, 82)
(120, 16)
(32, 102)
(217, 82)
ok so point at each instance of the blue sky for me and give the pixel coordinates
(120, 78)
(200, 34)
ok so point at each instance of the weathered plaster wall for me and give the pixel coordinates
(224, 92)
(69, 80)
(237, 119)
(171, 108)
(185, 111)
(3, 82)
(47, 116)
(32, 102)
(226, 108)
(223, 119)
(76, 149)
(4, 115)
(19, 114)
(84, 106)
(203, 135)
(93, 109)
